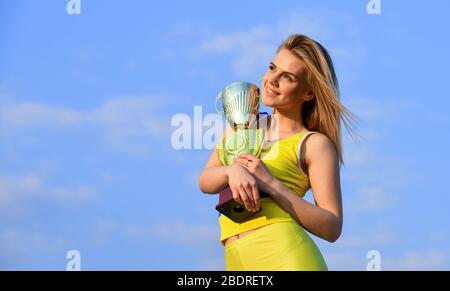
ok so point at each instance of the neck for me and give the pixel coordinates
(288, 121)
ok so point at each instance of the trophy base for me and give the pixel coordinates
(233, 209)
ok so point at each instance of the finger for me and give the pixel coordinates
(238, 163)
(255, 192)
(241, 165)
(249, 157)
(236, 196)
(246, 197)
(240, 160)
(240, 197)
(249, 191)
(244, 161)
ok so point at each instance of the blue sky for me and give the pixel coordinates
(86, 103)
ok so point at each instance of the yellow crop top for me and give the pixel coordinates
(282, 158)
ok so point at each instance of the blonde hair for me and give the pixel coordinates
(324, 112)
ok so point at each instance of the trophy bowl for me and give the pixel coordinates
(240, 104)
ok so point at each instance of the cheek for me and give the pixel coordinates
(289, 90)
(265, 78)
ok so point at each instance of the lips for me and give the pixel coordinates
(270, 91)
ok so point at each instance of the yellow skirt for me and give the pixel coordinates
(280, 246)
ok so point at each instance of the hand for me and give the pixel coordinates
(258, 169)
(244, 187)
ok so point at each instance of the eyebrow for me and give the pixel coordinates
(289, 73)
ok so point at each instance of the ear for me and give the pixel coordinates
(309, 96)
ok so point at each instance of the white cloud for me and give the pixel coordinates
(345, 259)
(202, 240)
(349, 252)
(253, 48)
(383, 110)
(80, 193)
(369, 239)
(359, 154)
(137, 111)
(101, 232)
(440, 118)
(19, 193)
(439, 236)
(432, 259)
(375, 179)
(127, 123)
(191, 235)
(20, 250)
(212, 264)
(349, 55)
(226, 43)
(34, 114)
(368, 109)
(130, 124)
(379, 179)
(371, 199)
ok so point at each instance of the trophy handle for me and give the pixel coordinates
(219, 96)
(259, 98)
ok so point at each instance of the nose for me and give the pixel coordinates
(273, 80)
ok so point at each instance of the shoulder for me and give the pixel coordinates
(317, 139)
(319, 146)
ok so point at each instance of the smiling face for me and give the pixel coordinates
(284, 84)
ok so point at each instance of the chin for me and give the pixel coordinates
(267, 101)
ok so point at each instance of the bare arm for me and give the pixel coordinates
(215, 177)
(325, 218)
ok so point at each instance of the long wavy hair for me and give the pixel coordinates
(324, 112)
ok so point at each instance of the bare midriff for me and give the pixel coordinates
(240, 235)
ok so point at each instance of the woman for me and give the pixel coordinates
(301, 87)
